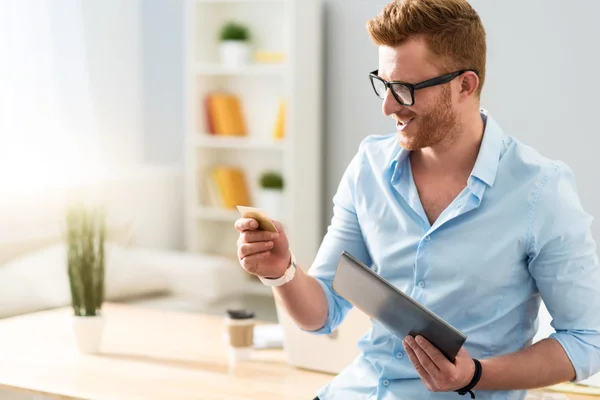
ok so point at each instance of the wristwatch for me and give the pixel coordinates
(288, 276)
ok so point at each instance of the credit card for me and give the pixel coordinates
(264, 222)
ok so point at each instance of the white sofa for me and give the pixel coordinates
(38, 279)
(145, 229)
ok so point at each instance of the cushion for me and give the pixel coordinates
(34, 282)
(128, 275)
(39, 280)
(199, 277)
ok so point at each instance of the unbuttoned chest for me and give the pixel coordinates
(435, 197)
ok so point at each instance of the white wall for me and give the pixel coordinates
(542, 84)
(133, 53)
(351, 111)
(162, 81)
(113, 48)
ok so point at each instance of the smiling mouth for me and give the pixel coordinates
(401, 125)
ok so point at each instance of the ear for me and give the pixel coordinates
(468, 84)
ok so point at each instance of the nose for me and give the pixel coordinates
(390, 105)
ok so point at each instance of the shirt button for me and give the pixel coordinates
(421, 284)
(428, 238)
(386, 382)
(399, 355)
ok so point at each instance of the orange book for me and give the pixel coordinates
(218, 109)
(227, 114)
(231, 183)
(237, 116)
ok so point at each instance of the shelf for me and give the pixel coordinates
(261, 85)
(217, 214)
(249, 70)
(206, 140)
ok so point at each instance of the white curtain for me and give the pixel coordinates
(48, 134)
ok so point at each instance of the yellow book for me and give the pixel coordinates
(269, 57)
(238, 125)
(231, 183)
(218, 110)
(227, 114)
(279, 131)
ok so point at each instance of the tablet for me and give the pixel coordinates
(398, 312)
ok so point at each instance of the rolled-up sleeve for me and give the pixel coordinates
(564, 264)
(343, 234)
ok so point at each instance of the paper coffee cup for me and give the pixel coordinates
(240, 329)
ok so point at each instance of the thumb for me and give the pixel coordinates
(462, 357)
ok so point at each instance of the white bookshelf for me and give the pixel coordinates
(288, 26)
(250, 70)
(204, 140)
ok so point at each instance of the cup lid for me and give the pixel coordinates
(240, 314)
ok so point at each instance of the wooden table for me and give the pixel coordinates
(146, 354)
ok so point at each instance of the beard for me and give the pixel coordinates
(432, 127)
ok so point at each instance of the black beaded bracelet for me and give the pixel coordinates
(474, 381)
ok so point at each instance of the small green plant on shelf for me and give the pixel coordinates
(86, 231)
(234, 31)
(271, 180)
(234, 48)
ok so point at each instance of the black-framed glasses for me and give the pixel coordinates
(403, 92)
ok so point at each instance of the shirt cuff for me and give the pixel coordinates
(331, 311)
(584, 357)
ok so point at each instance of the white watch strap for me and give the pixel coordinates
(288, 276)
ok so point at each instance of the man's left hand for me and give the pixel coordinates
(436, 371)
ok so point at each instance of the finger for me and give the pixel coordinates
(424, 359)
(248, 249)
(246, 224)
(415, 362)
(278, 225)
(441, 362)
(256, 236)
(252, 262)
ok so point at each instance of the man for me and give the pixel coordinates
(468, 221)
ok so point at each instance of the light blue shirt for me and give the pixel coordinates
(516, 235)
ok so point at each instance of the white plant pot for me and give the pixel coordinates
(234, 53)
(271, 200)
(88, 333)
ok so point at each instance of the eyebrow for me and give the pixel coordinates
(393, 80)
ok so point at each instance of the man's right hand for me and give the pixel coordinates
(268, 255)
(262, 253)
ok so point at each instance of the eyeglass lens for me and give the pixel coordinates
(402, 92)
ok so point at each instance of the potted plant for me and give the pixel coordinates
(235, 44)
(86, 232)
(270, 196)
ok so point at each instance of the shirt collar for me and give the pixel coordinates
(488, 158)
